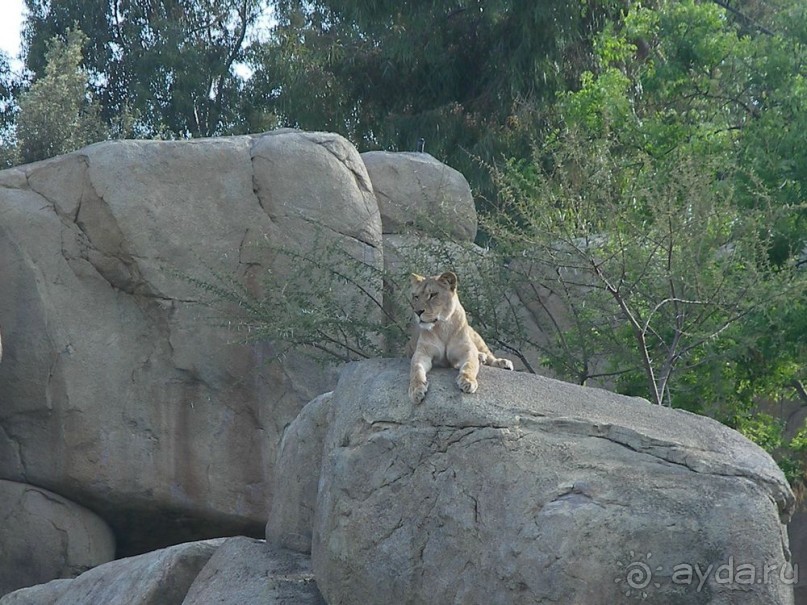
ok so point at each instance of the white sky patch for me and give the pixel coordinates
(243, 71)
(11, 17)
(259, 32)
(11, 20)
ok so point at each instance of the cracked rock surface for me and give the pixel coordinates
(297, 476)
(119, 388)
(417, 192)
(538, 491)
(43, 536)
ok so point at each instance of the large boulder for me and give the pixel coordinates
(417, 192)
(120, 389)
(39, 594)
(534, 490)
(44, 536)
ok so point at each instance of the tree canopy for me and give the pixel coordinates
(168, 62)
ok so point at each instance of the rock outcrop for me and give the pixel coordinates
(44, 536)
(533, 490)
(415, 192)
(162, 577)
(147, 418)
(797, 535)
(232, 571)
(245, 571)
(119, 389)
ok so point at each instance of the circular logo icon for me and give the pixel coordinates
(637, 576)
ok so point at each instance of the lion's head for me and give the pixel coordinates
(433, 298)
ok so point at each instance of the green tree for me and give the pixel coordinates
(682, 245)
(654, 261)
(655, 186)
(691, 78)
(472, 77)
(58, 113)
(10, 85)
(170, 63)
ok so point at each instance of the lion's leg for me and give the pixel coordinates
(499, 362)
(418, 385)
(487, 358)
(468, 364)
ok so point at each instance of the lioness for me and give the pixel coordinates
(444, 337)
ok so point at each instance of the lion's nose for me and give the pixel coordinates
(419, 312)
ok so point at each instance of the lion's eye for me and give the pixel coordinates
(432, 295)
(415, 297)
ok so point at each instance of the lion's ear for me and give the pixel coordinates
(415, 279)
(449, 279)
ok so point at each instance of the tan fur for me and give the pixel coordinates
(444, 337)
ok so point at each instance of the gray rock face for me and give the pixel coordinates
(415, 191)
(43, 536)
(797, 535)
(40, 594)
(119, 389)
(238, 571)
(537, 491)
(246, 572)
(297, 477)
(158, 578)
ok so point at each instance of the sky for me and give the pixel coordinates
(10, 24)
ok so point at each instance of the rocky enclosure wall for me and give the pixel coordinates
(119, 389)
(131, 418)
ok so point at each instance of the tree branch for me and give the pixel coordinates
(745, 18)
(800, 390)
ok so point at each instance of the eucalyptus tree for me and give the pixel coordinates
(170, 63)
(472, 78)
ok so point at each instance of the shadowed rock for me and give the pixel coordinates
(44, 536)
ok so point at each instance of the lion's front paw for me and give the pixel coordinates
(505, 364)
(417, 391)
(467, 384)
